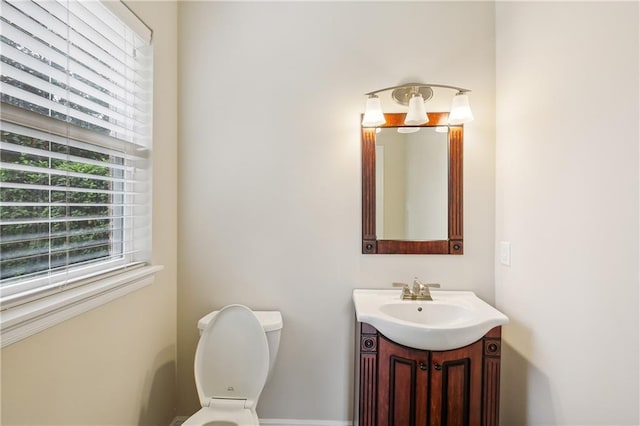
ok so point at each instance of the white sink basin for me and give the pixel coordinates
(452, 320)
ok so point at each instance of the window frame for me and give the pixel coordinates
(24, 320)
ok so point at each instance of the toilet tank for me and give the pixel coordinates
(271, 322)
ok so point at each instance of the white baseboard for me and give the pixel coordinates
(282, 422)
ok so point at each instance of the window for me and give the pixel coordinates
(75, 187)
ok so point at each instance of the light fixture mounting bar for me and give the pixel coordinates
(419, 85)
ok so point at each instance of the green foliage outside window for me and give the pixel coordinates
(55, 226)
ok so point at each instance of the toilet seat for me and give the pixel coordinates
(231, 367)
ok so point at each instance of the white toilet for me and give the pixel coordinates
(235, 355)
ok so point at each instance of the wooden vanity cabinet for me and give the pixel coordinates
(401, 386)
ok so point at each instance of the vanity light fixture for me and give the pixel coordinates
(414, 95)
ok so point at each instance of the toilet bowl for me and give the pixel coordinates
(234, 358)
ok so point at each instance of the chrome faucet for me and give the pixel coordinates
(419, 290)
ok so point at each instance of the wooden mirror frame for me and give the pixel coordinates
(454, 243)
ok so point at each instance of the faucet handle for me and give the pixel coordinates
(406, 291)
(424, 288)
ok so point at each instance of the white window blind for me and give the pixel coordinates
(75, 187)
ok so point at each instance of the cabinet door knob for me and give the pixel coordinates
(423, 366)
(437, 366)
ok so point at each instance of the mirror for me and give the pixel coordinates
(412, 187)
(412, 183)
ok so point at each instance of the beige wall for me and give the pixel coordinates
(567, 200)
(114, 365)
(270, 103)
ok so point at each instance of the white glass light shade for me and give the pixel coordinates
(417, 113)
(408, 129)
(373, 115)
(460, 110)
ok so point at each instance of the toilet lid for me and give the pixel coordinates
(232, 358)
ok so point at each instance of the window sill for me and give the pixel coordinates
(22, 321)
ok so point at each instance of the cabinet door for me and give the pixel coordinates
(403, 375)
(456, 386)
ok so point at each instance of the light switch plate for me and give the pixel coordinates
(505, 253)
